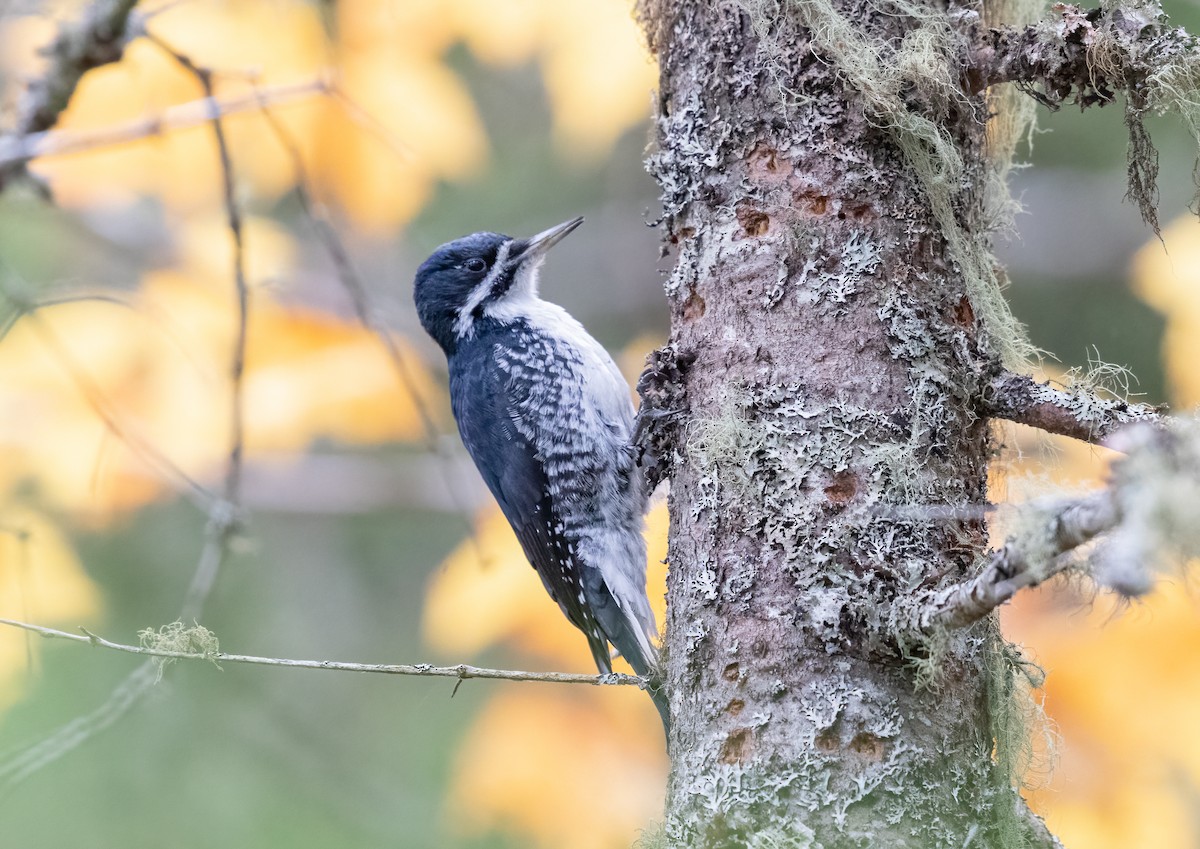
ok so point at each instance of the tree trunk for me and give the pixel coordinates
(820, 390)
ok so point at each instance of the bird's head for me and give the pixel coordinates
(479, 275)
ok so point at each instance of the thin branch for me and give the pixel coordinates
(223, 519)
(347, 275)
(15, 769)
(1021, 564)
(460, 671)
(97, 38)
(20, 148)
(158, 319)
(361, 116)
(1076, 413)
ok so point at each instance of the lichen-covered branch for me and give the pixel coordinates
(1075, 412)
(1021, 563)
(1087, 56)
(1149, 514)
(1082, 55)
(198, 643)
(97, 38)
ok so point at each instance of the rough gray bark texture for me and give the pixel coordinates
(827, 361)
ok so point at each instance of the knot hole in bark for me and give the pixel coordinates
(813, 202)
(755, 223)
(738, 746)
(868, 746)
(842, 487)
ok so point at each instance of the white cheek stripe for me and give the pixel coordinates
(462, 327)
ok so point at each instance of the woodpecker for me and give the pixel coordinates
(547, 417)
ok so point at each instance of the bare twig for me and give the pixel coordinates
(157, 319)
(461, 671)
(1077, 413)
(15, 769)
(347, 275)
(97, 38)
(18, 148)
(223, 519)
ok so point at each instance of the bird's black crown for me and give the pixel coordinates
(446, 280)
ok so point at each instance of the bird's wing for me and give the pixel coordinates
(572, 405)
(486, 407)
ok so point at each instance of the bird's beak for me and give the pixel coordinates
(532, 250)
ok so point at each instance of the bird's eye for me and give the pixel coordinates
(475, 265)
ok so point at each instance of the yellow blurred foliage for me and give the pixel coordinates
(599, 75)
(609, 763)
(155, 359)
(560, 769)
(1122, 688)
(162, 369)
(41, 580)
(181, 168)
(1168, 278)
(406, 120)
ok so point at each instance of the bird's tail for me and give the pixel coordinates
(635, 646)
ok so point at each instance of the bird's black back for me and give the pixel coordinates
(486, 400)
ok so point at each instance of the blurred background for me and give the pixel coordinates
(403, 124)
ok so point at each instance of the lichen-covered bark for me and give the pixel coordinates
(825, 361)
(97, 38)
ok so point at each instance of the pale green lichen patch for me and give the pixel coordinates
(178, 637)
(860, 257)
(1024, 741)
(725, 447)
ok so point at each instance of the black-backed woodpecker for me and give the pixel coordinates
(547, 417)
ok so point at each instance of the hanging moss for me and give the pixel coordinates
(888, 78)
